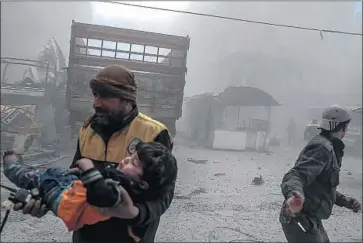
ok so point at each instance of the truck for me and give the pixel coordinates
(25, 87)
(158, 62)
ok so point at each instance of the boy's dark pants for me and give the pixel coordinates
(315, 231)
(51, 182)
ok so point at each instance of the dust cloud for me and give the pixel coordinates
(27, 26)
(301, 69)
(295, 66)
(283, 61)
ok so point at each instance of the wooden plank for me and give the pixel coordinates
(144, 97)
(151, 99)
(95, 61)
(155, 91)
(81, 75)
(20, 99)
(14, 95)
(83, 30)
(157, 113)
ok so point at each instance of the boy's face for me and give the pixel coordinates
(131, 166)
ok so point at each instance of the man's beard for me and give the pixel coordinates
(107, 118)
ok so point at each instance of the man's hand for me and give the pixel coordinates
(33, 207)
(10, 157)
(124, 210)
(353, 204)
(84, 164)
(294, 204)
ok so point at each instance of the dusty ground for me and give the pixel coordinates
(215, 201)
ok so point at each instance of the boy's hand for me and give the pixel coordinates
(84, 164)
(81, 166)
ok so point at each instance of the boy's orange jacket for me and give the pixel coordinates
(74, 210)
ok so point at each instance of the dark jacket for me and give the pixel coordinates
(316, 176)
(102, 189)
(147, 222)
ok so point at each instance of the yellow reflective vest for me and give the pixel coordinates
(122, 143)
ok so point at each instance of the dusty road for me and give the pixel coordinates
(215, 201)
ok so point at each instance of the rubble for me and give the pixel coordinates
(18, 127)
(21, 132)
(197, 161)
(257, 181)
(226, 208)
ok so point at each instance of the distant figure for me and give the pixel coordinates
(291, 131)
(311, 130)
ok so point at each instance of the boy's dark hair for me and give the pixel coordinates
(159, 165)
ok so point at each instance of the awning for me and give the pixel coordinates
(246, 96)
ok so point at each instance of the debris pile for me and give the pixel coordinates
(18, 127)
(257, 181)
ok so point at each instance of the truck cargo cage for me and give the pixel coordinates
(95, 45)
(158, 62)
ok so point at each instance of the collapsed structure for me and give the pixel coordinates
(30, 94)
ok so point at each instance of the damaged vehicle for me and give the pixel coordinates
(30, 96)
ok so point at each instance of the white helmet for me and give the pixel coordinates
(334, 115)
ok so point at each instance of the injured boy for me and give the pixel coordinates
(145, 175)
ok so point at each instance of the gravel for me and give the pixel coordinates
(215, 201)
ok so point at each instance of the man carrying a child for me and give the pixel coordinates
(109, 136)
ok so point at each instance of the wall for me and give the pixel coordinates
(230, 120)
(199, 119)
